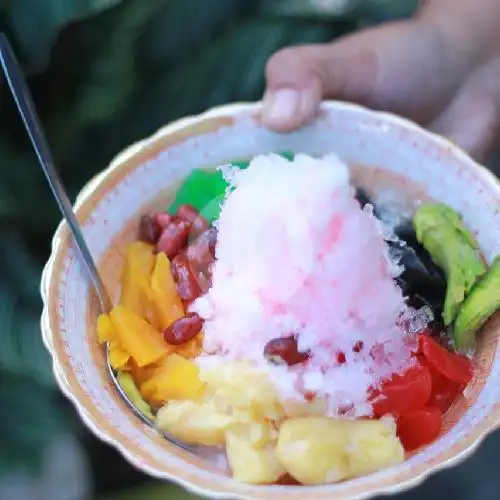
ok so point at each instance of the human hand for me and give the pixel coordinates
(422, 68)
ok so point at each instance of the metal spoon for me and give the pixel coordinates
(24, 103)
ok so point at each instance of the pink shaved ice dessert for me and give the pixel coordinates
(276, 317)
(308, 263)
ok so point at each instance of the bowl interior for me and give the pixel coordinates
(384, 153)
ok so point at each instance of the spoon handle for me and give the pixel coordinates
(24, 103)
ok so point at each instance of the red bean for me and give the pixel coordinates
(184, 329)
(188, 213)
(187, 284)
(186, 304)
(209, 274)
(284, 350)
(163, 219)
(211, 235)
(204, 281)
(358, 346)
(148, 230)
(200, 251)
(174, 238)
(287, 480)
(309, 396)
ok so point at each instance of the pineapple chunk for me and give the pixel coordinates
(314, 408)
(245, 415)
(255, 434)
(243, 386)
(194, 423)
(373, 446)
(250, 463)
(312, 450)
(319, 450)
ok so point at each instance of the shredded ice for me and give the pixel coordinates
(296, 255)
(415, 320)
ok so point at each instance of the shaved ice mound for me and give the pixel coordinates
(296, 255)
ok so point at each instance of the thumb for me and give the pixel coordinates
(383, 67)
(299, 77)
(294, 87)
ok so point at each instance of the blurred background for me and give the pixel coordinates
(106, 73)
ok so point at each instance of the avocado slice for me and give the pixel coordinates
(481, 303)
(452, 247)
(130, 389)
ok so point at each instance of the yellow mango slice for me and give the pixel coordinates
(118, 357)
(166, 301)
(105, 330)
(138, 337)
(141, 374)
(191, 349)
(136, 291)
(176, 378)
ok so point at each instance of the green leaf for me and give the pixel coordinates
(118, 70)
(36, 24)
(112, 76)
(153, 492)
(363, 10)
(31, 421)
(109, 75)
(22, 351)
(228, 68)
(182, 25)
(311, 8)
(23, 190)
(377, 11)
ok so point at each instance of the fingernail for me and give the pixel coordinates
(280, 106)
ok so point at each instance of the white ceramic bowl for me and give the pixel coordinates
(143, 177)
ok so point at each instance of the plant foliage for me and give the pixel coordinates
(105, 73)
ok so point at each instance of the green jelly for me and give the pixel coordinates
(205, 190)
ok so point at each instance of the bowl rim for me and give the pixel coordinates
(467, 447)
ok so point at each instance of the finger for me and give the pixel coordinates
(379, 67)
(472, 120)
(295, 86)
(299, 77)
